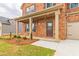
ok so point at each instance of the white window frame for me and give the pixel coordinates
(29, 9)
(32, 7)
(70, 5)
(46, 5)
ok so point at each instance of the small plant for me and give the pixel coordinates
(18, 40)
(18, 36)
(10, 35)
(24, 38)
(15, 36)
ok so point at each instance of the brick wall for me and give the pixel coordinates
(62, 26)
(41, 26)
(41, 23)
(38, 7)
(24, 32)
(62, 22)
(64, 19)
(73, 17)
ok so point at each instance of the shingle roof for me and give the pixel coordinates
(4, 20)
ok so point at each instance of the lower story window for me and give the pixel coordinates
(20, 27)
(33, 27)
(27, 27)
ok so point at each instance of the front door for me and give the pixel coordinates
(49, 28)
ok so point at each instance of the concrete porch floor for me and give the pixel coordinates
(63, 48)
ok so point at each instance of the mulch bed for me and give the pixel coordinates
(22, 41)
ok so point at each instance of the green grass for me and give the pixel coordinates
(7, 49)
(5, 37)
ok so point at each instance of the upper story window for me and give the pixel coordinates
(30, 9)
(73, 5)
(49, 4)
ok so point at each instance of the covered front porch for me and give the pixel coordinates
(40, 25)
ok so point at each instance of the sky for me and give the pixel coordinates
(10, 10)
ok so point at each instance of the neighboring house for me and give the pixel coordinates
(55, 21)
(6, 26)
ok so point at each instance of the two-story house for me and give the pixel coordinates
(49, 21)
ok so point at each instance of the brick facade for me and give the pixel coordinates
(41, 21)
(38, 7)
(73, 17)
(41, 26)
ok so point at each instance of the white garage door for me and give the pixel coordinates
(73, 30)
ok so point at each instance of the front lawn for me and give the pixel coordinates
(7, 49)
(5, 37)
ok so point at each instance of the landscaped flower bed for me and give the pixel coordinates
(17, 39)
(21, 41)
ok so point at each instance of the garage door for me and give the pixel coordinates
(73, 30)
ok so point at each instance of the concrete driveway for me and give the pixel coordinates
(64, 48)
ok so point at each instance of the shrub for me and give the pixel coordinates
(18, 40)
(15, 36)
(18, 36)
(24, 38)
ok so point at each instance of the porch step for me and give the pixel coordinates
(47, 39)
(44, 39)
(52, 40)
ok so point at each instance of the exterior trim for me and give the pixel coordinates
(76, 12)
(40, 12)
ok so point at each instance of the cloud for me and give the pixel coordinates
(10, 10)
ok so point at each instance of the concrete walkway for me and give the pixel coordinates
(47, 44)
(63, 48)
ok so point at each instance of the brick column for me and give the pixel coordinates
(17, 26)
(30, 26)
(57, 24)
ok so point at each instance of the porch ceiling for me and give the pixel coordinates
(40, 13)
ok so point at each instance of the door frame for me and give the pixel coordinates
(51, 21)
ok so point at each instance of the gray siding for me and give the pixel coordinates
(6, 29)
